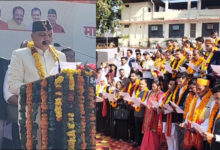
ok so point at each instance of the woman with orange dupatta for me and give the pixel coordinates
(151, 139)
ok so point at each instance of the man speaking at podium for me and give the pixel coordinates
(36, 61)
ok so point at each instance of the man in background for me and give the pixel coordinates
(70, 54)
(3, 105)
(17, 19)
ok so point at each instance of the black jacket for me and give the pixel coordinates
(3, 67)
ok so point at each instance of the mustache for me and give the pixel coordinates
(45, 42)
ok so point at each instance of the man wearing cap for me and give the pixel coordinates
(52, 17)
(24, 68)
(199, 110)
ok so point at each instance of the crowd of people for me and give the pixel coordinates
(173, 92)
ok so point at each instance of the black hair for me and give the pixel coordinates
(18, 7)
(200, 39)
(213, 32)
(193, 81)
(137, 51)
(216, 88)
(66, 50)
(35, 9)
(129, 50)
(124, 58)
(182, 75)
(180, 50)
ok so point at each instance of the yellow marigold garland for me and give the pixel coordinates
(178, 65)
(37, 59)
(211, 117)
(180, 97)
(189, 99)
(58, 99)
(201, 106)
(196, 63)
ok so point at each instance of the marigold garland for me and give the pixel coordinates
(178, 65)
(37, 59)
(181, 95)
(192, 108)
(44, 117)
(58, 99)
(29, 120)
(71, 133)
(189, 99)
(196, 63)
(212, 117)
(135, 88)
(138, 109)
(80, 90)
(201, 106)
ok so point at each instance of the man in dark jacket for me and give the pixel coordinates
(3, 105)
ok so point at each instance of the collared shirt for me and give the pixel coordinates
(13, 25)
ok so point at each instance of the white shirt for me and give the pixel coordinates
(126, 68)
(148, 64)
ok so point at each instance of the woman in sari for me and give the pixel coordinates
(150, 124)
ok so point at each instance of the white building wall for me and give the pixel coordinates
(137, 16)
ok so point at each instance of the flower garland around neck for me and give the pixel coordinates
(29, 120)
(37, 58)
(178, 65)
(205, 63)
(114, 103)
(189, 99)
(157, 62)
(212, 117)
(135, 88)
(44, 117)
(58, 100)
(181, 95)
(138, 108)
(196, 63)
(201, 106)
(164, 97)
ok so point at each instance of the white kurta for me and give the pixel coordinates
(22, 68)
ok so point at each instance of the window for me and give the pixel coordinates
(193, 30)
(176, 30)
(149, 10)
(155, 31)
(154, 28)
(126, 25)
(208, 27)
(176, 27)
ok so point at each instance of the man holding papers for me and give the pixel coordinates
(213, 133)
(199, 111)
(168, 126)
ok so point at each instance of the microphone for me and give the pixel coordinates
(59, 45)
(44, 43)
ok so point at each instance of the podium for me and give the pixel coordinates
(58, 112)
